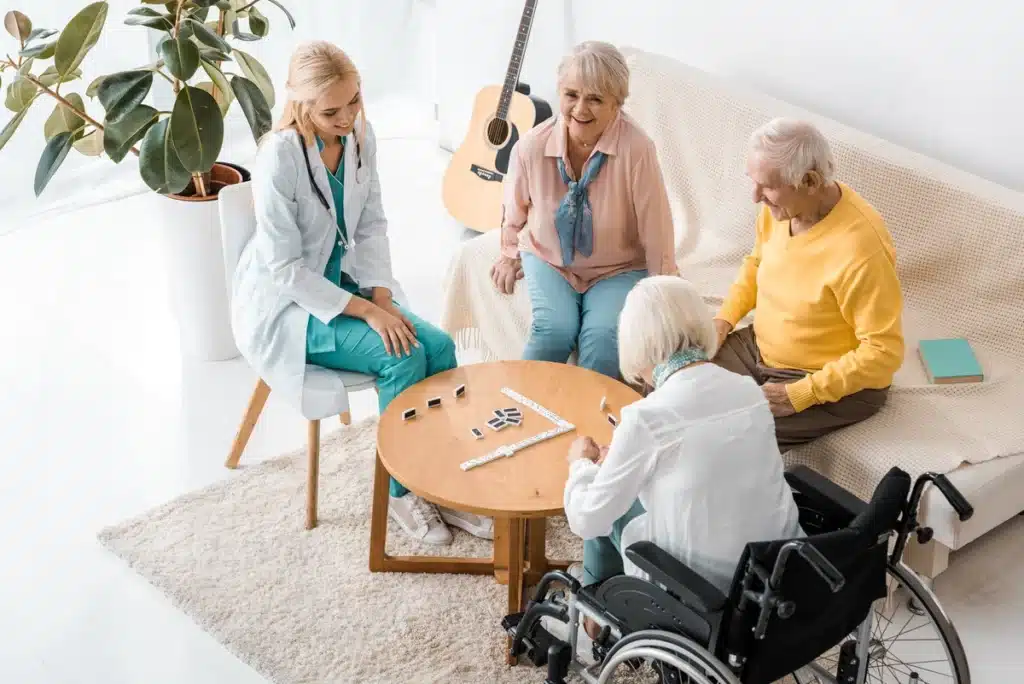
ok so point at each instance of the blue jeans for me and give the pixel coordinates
(361, 350)
(565, 320)
(602, 556)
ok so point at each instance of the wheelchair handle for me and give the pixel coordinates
(957, 500)
(821, 565)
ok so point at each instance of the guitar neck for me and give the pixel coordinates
(515, 64)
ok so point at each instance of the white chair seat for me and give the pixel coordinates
(323, 397)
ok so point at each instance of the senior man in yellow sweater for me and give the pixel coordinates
(827, 335)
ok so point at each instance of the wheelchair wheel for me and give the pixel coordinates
(666, 658)
(907, 634)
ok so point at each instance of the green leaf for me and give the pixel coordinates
(159, 165)
(50, 77)
(79, 36)
(53, 156)
(212, 56)
(197, 129)
(145, 16)
(20, 94)
(39, 34)
(224, 94)
(223, 99)
(41, 51)
(208, 37)
(223, 5)
(63, 119)
(181, 56)
(153, 2)
(254, 106)
(291, 19)
(239, 34)
(122, 92)
(255, 72)
(18, 25)
(119, 137)
(90, 144)
(258, 23)
(94, 86)
(11, 127)
(26, 67)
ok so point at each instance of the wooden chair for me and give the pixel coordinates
(325, 391)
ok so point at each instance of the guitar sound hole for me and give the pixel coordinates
(497, 131)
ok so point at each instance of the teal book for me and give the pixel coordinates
(949, 361)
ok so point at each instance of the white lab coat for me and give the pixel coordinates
(700, 454)
(279, 283)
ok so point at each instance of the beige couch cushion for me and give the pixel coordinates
(960, 248)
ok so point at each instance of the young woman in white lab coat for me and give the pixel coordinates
(315, 284)
(694, 466)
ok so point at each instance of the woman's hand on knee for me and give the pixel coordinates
(396, 334)
(505, 272)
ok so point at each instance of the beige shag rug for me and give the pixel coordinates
(302, 606)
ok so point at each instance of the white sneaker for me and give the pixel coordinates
(419, 519)
(576, 570)
(476, 525)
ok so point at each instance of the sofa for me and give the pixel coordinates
(960, 251)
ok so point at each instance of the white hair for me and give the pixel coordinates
(662, 315)
(600, 67)
(794, 148)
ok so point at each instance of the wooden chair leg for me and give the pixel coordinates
(252, 413)
(313, 476)
(379, 515)
(345, 418)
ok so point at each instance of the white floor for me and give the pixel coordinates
(100, 419)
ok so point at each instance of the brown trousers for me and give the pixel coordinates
(739, 353)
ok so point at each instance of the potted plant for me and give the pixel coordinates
(177, 150)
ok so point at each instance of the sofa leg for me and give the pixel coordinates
(927, 560)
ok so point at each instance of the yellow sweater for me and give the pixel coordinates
(827, 301)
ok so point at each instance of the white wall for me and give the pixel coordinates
(942, 78)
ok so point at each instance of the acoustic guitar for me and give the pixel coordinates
(472, 188)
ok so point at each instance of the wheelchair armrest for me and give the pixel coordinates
(692, 589)
(823, 493)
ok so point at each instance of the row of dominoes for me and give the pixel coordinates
(509, 449)
(434, 402)
(533, 405)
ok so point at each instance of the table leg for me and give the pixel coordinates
(502, 539)
(516, 561)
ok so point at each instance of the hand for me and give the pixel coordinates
(584, 447)
(778, 399)
(394, 331)
(603, 455)
(505, 272)
(723, 328)
(389, 306)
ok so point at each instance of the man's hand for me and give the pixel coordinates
(778, 399)
(505, 272)
(584, 447)
(723, 328)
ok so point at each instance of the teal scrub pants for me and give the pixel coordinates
(359, 349)
(602, 556)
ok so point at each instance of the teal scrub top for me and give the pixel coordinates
(320, 337)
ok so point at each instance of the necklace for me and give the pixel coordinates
(681, 359)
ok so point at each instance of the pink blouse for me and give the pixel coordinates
(632, 220)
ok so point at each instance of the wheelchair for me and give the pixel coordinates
(837, 606)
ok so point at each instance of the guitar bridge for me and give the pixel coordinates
(486, 174)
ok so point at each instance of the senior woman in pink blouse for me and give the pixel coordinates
(586, 214)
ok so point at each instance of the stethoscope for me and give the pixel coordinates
(361, 174)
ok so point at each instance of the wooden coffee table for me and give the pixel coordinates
(519, 492)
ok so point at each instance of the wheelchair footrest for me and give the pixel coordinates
(535, 644)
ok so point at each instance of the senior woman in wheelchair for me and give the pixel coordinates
(586, 214)
(693, 467)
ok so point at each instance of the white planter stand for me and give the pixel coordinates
(196, 279)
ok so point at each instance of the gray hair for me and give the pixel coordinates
(600, 66)
(662, 315)
(794, 148)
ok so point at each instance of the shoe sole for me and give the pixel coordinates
(466, 527)
(422, 540)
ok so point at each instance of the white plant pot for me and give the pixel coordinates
(196, 280)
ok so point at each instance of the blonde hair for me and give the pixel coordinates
(315, 67)
(794, 149)
(662, 315)
(600, 67)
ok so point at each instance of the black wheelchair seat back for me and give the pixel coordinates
(810, 617)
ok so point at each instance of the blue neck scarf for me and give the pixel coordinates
(682, 358)
(574, 218)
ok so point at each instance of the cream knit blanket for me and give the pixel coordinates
(960, 248)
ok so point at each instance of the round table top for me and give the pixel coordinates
(425, 452)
